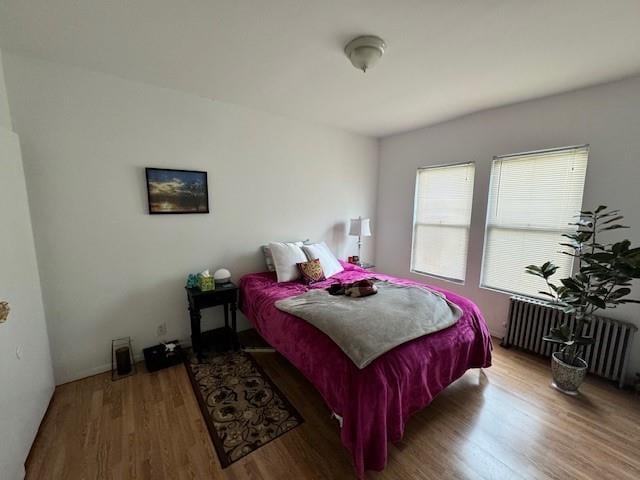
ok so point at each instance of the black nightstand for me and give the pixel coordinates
(225, 295)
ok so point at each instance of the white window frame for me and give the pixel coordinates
(488, 213)
(457, 281)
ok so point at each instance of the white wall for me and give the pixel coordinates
(5, 114)
(108, 268)
(606, 117)
(26, 377)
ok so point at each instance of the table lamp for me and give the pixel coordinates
(360, 227)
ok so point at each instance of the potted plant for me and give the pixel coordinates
(602, 280)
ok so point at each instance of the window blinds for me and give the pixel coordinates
(532, 198)
(442, 214)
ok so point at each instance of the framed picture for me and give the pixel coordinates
(177, 191)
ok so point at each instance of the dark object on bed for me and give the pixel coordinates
(159, 356)
(360, 288)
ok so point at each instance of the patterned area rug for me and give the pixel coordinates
(242, 408)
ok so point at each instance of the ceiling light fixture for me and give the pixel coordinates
(365, 51)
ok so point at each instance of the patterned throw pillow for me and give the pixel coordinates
(311, 271)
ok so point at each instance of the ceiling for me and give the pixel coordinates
(444, 58)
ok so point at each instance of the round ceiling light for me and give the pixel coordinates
(365, 51)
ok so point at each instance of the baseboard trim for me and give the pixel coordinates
(496, 335)
(91, 372)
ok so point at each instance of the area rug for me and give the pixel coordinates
(241, 406)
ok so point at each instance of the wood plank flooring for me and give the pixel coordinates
(504, 423)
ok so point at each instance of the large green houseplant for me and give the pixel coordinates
(602, 280)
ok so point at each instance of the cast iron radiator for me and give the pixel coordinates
(530, 320)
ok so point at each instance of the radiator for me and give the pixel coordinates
(530, 320)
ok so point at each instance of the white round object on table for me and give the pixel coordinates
(222, 276)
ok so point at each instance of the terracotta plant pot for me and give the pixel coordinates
(567, 378)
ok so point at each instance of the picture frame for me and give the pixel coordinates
(172, 191)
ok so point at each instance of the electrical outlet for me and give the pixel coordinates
(162, 330)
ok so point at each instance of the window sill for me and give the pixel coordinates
(438, 277)
(511, 293)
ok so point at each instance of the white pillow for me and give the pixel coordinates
(330, 264)
(268, 258)
(286, 256)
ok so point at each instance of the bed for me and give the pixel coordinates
(375, 402)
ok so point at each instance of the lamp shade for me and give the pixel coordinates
(360, 227)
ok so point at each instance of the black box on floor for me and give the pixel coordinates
(158, 357)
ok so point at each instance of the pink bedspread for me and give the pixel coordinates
(374, 402)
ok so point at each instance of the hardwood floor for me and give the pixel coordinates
(506, 423)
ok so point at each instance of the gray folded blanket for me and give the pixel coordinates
(367, 327)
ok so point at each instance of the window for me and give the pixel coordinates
(532, 199)
(442, 214)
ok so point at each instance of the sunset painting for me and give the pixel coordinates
(177, 191)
